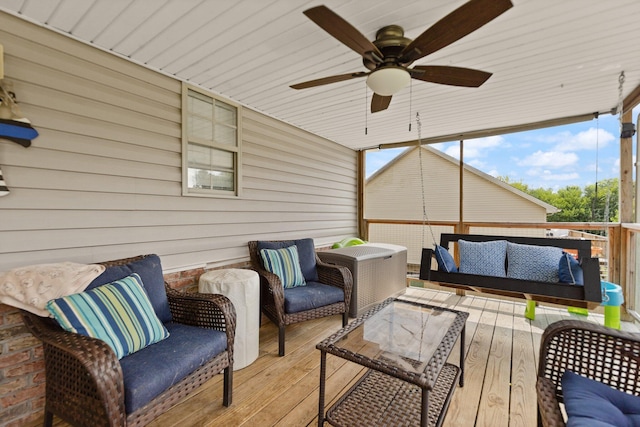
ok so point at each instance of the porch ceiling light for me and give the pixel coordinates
(387, 81)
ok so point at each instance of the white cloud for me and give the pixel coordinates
(589, 139)
(478, 164)
(553, 138)
(548, 176)
(549, 159)
(377, 159)
(474, 148)
(480, 147)
(452, 151)
(545, 178)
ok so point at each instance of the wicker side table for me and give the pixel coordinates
(405, 345)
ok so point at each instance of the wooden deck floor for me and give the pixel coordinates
(500, 371)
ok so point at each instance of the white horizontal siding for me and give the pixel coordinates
(103, 179)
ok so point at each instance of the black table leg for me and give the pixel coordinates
(462, 354)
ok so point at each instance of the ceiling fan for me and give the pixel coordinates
(389, 56)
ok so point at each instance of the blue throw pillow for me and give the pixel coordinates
(483, 258)
(285, 264)
(118, 313)
(150, 271)
(306, 254)
(569, 270)
(530, 262)
(445, 260)
(591, 403)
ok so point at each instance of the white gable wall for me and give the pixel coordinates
(396, 193)
(103, 179)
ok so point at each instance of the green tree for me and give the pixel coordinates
(590, 204)
(572, 204)
(603, 200)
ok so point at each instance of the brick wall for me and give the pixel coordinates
(22, 377)
(21, 371)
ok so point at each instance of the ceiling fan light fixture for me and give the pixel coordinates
(388, 80)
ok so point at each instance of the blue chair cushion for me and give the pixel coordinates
(306, 255)
(150, 271)
(314, 295)
(152, 370)
(445, 260)
(594, 404)
(569, 270)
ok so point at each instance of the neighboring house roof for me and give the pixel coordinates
(549, 208)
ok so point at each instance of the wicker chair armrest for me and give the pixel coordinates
(89, 364)
(211, 311)
(548, 406)
(336, 275)
(273, 284)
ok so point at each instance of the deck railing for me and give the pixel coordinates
(617, 245)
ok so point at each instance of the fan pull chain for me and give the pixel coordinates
(366, 113)
(410, 99)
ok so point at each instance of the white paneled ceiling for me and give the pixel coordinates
(550, 59)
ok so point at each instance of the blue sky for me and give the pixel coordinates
(548, 158)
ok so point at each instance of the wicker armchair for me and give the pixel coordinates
(272, 295)
(603, 354)
(84, 379)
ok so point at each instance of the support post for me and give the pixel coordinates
(363, 227)
(460, 228)
(625, 210)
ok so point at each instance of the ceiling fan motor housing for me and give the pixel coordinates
(390, 41)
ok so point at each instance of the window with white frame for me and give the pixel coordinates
(211, 148)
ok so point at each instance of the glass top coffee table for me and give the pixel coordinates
(405, 345)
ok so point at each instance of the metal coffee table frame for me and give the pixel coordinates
(387, 394)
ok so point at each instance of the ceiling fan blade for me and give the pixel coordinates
(462, 21)
(454, 76)
(327, 80)
(379, 102)
(343, 31)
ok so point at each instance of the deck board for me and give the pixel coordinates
(464, 405)
(501, 348)
(495, 391)
(522, 405)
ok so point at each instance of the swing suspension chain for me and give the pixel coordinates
(425, 217)
(620, 97)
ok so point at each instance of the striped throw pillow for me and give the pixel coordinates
(118, 313)
(284, 263)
